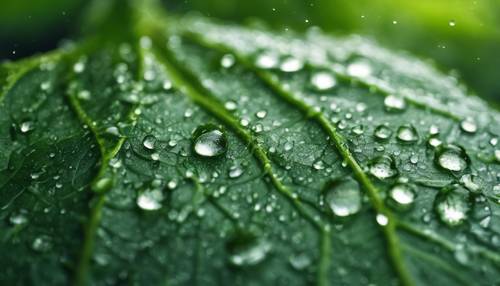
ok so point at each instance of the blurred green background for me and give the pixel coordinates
(459, 36)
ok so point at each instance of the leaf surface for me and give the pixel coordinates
(182, 151)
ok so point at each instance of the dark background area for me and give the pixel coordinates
(460, 36)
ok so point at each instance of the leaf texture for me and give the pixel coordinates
(337, 162)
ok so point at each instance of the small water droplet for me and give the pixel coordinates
(452, 23)
(382, 219)
(319, 165)
(402, 194)
(434, 142)
(209, 141)
(382, 132)
(343, 197)
(261, 114)
(267, 60)
(358, 129)
(230, 105)
(323, 81)
(167, 84)
(433, 130)
(227, 61)
(150, 199)
(383, 168)
(407, 133)
(291, 64)
(18, 218)
(235, 171)
(468, 125)
(42, 243)
(394, 103)
(452, 158)
(247, 250)
(149, 142)
(359, 69)
(26, 126)
(300, 261)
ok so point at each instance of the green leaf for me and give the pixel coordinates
(180, 151)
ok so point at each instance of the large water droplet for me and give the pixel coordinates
(383, 168)
(382, 132)
(452, 158)
(343, 197)
(247, 250)
(452, 205)
(209, 141)
(407, 133)
(150, 199)
(323, 81)
(149, 142)
(394, 103)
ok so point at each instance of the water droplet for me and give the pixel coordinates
(319, 165)
(247, 250)
(382, 132)
(188, 113)
(497, 155)
(382, 219)
(452, 205)
(42, 243)
(291, 64)
(383, 168)
(394, 103)
(402, 194)
(359, 69)
(230, 105)
(434, 142)
(26, 126)
(452, 158)
(235, 171)
(209, 141)
(468, 125)
(167, 84)
(323, 81)
(149, 142)
(150, 199)
(267, 60)
(343, 197)
(452, 23)
(261, 114)
(113, 130)
(433, 130)
(79, 67)
(18, 218)
(227, 61)
(300, 261)
(407, 133)
(358, 129)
